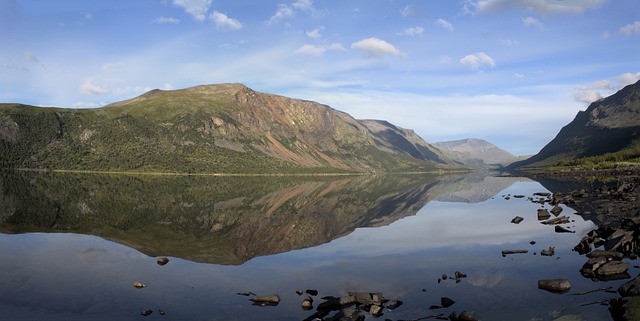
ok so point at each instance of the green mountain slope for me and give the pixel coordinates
(225, 128)
(609, 126)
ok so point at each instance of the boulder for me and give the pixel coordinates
(548, 252)
(307, 303)
(543, 214)
(557, 220)
(162, 261)
(517, 220)
(612, 268)
(269, 299)
(608, 254)
(392, 304)
(631, 288)
(466, 316)
(506, 252)
(561, 229)
(446, 302)
(556, 210)
(555, 285)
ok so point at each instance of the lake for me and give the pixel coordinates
(74, 244)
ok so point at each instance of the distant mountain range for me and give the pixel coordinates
(476, 153)
(230, 128)
(609, 128)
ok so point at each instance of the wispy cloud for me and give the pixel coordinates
(538, 6)
(478, 61)
(376, 48)
(408, 11)
(285, 10)
(532, 22)
(90, 87)
(197, 8)
(603, 88)
(631, 29)
(315, 33)
(414, 31)
(319, 50)
(222, 21)
(162, 20)
(444, 24)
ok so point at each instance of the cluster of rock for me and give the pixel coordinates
(615, 210)
(139, 285)
(355, 306)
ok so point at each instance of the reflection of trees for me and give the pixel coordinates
(226, 220)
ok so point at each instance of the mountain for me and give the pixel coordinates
(475, 153)
(609, 125)
(225, 128)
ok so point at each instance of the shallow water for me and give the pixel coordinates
(394, 235)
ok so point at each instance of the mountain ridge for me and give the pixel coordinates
(609, 125)
(208, 128)
(476, 153)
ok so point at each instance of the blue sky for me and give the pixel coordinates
(512, 72)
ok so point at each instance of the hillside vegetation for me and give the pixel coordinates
(225, 128)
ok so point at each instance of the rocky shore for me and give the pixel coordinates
(612, 203)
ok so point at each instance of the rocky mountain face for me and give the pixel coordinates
(475, 153)
(212, 128)
(608, 125)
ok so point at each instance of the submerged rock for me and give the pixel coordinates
(269, 299)
(555, 285)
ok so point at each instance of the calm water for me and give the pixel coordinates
(72, 246)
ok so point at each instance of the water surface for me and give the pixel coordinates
(74, 244)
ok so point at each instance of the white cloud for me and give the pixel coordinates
(519, 75)
(284, 11)
(628, 78)
(162, 20)
(376, 48)
(222, 21)
(631, 28)
(311, 50)
(197, 8)
(477, 61)
(531, 22)
(408, 11)
(415, 31)
(319, 50)
(603, 88)
(315, 33)
(289, 10)
(303, 4)
(444, 24)
(87, 15)
(538, 6)
(91, 88)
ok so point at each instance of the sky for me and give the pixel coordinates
(512, 72)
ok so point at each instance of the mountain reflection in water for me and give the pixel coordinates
(222, 220)
(395, 234)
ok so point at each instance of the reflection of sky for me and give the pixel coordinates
(59, 276)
